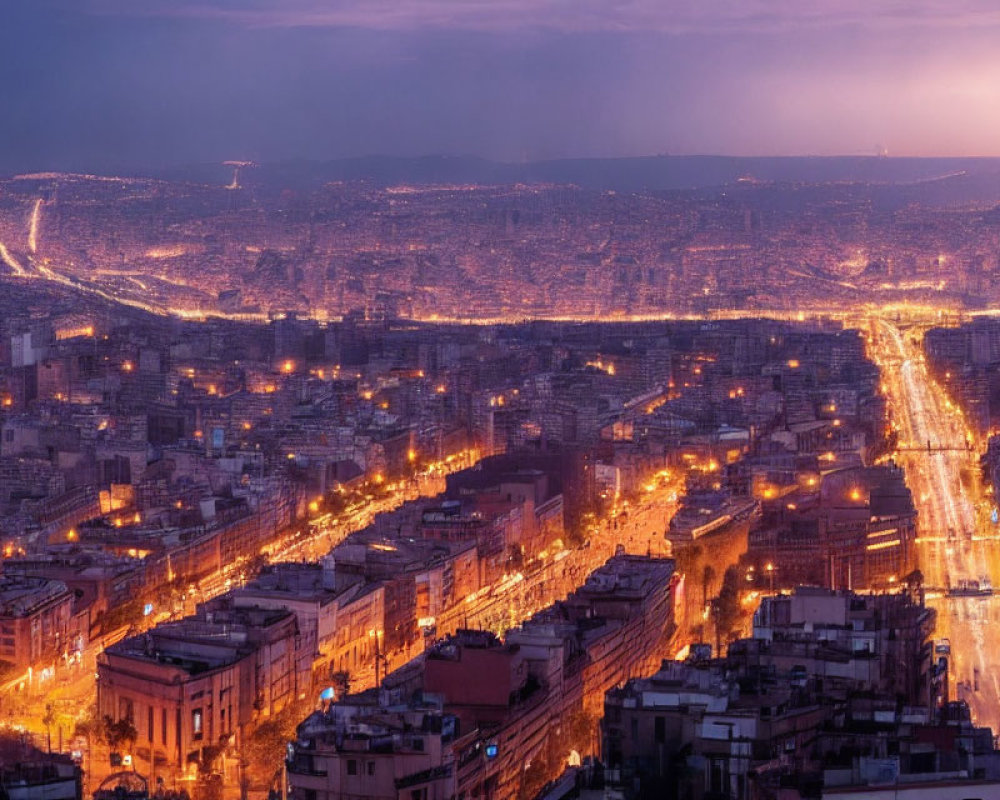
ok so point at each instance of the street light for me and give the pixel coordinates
(769, 567)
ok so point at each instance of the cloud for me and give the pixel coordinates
(90, 82)
(665, 16)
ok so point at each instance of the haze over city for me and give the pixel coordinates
(132, 85)
(535, 399)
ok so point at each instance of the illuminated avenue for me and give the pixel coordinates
(958, 544)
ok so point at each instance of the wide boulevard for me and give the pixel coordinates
(957, 544)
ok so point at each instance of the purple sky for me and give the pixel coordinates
(152, 82)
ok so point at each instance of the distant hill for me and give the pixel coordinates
(650, 173)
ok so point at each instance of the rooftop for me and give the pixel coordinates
(21, 596)
(201, 644)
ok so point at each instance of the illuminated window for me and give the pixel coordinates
(196, 724)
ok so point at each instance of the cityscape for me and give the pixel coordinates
(327, 475)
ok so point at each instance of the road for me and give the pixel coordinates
(26, 263)
(955, 543)
(637, 526)
(10, 261)
(34, 225)
(70, 689)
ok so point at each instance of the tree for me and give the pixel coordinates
(119, 733)
(914, 579)
(90, 725)
(264, 750)
(686, 558)
(341, 682)
(128, 613)
(726, 609)
(209, 755)
(914, 582)
(580, 730)
(47, 719)
(254, 565)
(707, 576)
(534, 776)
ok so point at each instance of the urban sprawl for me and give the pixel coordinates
(299, 497)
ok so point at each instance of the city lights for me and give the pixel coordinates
(447, 478)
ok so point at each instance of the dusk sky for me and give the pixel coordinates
(104, 83)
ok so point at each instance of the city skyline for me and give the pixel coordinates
(500, 399)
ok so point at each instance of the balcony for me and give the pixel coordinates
(304, 765)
